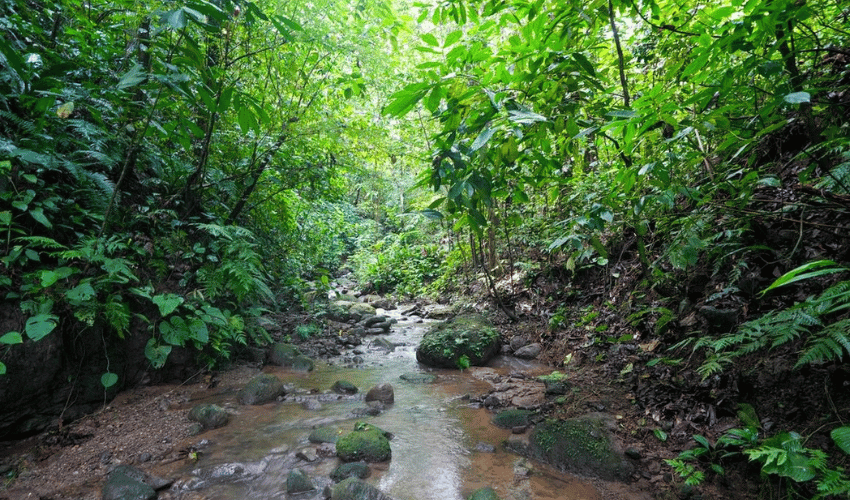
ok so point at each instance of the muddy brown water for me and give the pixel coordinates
(443, 447)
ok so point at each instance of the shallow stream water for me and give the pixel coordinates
(443, 447)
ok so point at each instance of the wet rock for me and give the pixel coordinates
(581, 445)
(510, 419)
(359, 470)
(307, 454)
(383, 393)
(354, 489)
(289, 356)
(311, 404)
(261, 389)
(518, 343)
(298, 482)
(129, 483)
(418, 377)
(209, 416)
(471, 336)
(485, 448)
(530, 351)
(324, 435)
(344, 387)
(484, 494)
(384, 344)
(439, 311)
(365, 443)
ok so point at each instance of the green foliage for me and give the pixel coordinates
(818, 319)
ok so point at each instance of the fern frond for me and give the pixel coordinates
(41, 242)
(829, 344)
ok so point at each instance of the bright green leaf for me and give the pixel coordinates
(798, 98)
(840, 435)
(11, 338)
(430, 40)
(40, 325)
(167, 302)
(108, 379)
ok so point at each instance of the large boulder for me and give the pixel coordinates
(583, 445)
(289, 356)
(471, 336)
(381, 392)
(344, 311)
(129, 483)
(298, 482)
(365, 443)
(261, 389)
(354, 489)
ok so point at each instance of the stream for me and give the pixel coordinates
(443, 448)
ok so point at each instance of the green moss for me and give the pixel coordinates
(470, 338)
(366, 443)
(508, 419)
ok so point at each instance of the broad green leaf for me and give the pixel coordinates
(167, 302)
(798, 97)
(83, 292)
(177, 19)
(840, 435)
(5, 218)
(801, 273)
(622, 113)
(525, 117)
(584, 63)
(453, 38)
(11, 338)
(482, 139)
(696, 65)
(198, 330)
(38, 214)
(430, 40)
(432, 214)
(2, 368)
(135, 76)
(157, 354)
(108, 379)
(40, 325)
(50, 277)
(405, 99)
(174, 332)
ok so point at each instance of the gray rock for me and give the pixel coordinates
(311, 404)
(344, 387)
(209, 416)
(383, 393)
(529, 351)
(261, 389)
(518, 342)
(383, 344)
(298, 482)
(418, 377)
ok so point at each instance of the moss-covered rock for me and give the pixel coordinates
(209, 416)
(508, 419)
(469, 336)
(298, 482)
(324, 435)
(344, 387)
(261, 389)
(352, 469)
(289, 356)
(484, 494)
(581, 445)
(365, 443)
(354, 489)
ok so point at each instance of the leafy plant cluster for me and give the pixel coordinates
(783, 455)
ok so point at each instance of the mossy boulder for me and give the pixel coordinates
(209, 416)
(359, 470)
(469, 336)
(261, 389)
(366, 443)
(344, 387)
(298, 482)
(289, 356)
(582, 445)
(354, 489)
(509, 419)
(484, 494)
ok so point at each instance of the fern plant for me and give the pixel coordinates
(818, 319)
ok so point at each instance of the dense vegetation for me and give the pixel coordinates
(173, 172)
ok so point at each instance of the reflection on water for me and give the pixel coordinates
(442, 449)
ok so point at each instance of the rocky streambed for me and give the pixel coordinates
(355, 415)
